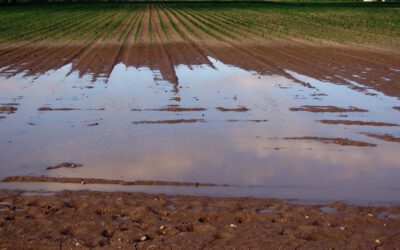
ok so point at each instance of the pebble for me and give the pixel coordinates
(144, 238)
(370, 215)
(162, 227)
(307, 217)
(342, 228)
(233, 225)
(378, 241)
(77, 244)
(82, 182)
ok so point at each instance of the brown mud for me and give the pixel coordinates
(7, 109)
(328, 109)
(65, 109)
(338, 141)
(234, 120)
(238, 109)
(84, 219)
(178, 109)
(358, 123)
(384, 137)
(64, 165)
(176, 121)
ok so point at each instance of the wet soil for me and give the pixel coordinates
(358, 123)
(335, 63)
(7, 109)
(176, 121)
(178, 109)
(328, 109)
(65, 165)
(385, 137)
(233, 120)
(338, 141)
(64, 109)
(238, 109)
(84, 219)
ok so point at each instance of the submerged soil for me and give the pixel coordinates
(84, 219)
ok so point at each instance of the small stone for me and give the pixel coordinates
(377, 241)
(83, 183)
(307, 217)
(119, 239)
(162, 227)
(342, 228)
(370, 215)
(144, 238)
(233, 225)
(77, 244)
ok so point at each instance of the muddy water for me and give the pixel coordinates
(234, 127)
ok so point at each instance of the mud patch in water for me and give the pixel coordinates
(358, 123)
(177, 121)
(328, 109)
(238, 109)
(65, 165)
(385, 137)
(338, 141)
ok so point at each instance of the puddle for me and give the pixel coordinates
(387, 215)
(170, 207)
(266, 211)
(124, 128)
(38, 193)
(328, 210)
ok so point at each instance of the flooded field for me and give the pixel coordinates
(286, 135)
(162, 98)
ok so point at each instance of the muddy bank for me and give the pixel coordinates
(338, 141)
(84, 219)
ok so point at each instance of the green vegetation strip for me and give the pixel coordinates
(358, 23)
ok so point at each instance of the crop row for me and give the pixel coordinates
(202, 21)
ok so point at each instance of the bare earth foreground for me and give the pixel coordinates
(134, 220)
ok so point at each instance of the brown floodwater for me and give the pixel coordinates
(261, 134)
